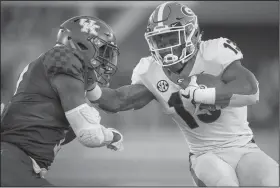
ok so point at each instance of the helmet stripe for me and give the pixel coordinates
(160, 13)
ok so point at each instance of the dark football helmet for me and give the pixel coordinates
(95, 43)
(173, 34)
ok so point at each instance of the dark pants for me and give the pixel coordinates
(17, 169)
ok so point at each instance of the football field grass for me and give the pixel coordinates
(149, 159)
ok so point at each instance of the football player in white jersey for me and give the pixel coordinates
(222, 149)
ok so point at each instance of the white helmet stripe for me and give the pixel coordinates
(160, 13)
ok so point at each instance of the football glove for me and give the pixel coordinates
(187, 94)
(117, 143)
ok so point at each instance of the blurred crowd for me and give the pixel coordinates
(27, 32)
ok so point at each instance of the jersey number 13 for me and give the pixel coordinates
(176, 102)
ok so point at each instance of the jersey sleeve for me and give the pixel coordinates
(60, 60)
(228, 52)
(221, 51)
(140, 69)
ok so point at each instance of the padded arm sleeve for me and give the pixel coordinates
(85, 122)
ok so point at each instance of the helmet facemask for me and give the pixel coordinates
(94, 43)
(105, 61)
(171, 45)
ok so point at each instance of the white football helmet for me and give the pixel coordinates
(173, 34)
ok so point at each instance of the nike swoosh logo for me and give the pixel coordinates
(179, 18)
(186, 96)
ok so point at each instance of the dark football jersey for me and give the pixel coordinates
(34, 119)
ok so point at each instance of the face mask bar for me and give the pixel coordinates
(104, 73)
(105, 63)
(171, 59)
(164, 40)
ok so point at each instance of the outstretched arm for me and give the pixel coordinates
(123, 98)
(83, 119)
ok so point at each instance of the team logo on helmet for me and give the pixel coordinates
(89, 26)
(187, 11)
(162, 86)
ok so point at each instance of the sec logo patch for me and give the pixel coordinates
(162, 86)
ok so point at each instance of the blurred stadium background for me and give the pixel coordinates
(155, 150)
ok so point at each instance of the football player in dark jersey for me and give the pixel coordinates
(49, 101)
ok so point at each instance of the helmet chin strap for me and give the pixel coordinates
(170, 58)
(187, 61)
(184, 62)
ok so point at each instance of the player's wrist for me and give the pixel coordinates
(205, 96)
(94, 94)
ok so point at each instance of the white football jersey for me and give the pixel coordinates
(207, 131)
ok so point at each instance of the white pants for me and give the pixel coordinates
(236, 166)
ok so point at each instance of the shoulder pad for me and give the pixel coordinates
(221, 51)
(61, 60)
(141, 68)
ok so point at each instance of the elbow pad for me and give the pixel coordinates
(85, 122)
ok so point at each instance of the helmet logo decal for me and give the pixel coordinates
(175, 24)
(162, 86)
(89, 26)
(187, 11)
